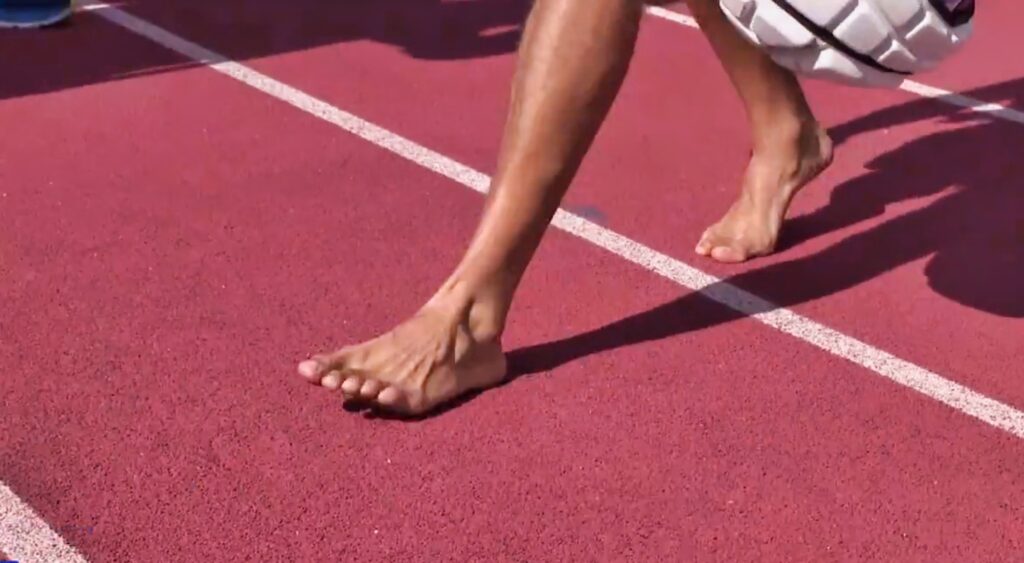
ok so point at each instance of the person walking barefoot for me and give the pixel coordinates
(572, 61)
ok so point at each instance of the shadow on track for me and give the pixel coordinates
(972, 235)
(88, 50)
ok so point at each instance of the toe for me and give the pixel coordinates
(370, 389)
(390, 397)
(317, 367)
(332, 380)
(351, 386)
(728, 254)
(711, 239)
(704, 246)
(312, 370)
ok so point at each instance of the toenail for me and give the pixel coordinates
(334, 377)
(309, 368)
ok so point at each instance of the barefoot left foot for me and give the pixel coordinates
(428, 360)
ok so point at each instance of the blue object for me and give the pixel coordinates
(33, 13)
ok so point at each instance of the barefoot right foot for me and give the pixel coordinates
(751, 226)
(428, 360)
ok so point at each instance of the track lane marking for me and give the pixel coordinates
(26, 536)
(902, 372)
(998, 111)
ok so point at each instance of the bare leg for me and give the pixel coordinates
(573, 59)
(789, 147)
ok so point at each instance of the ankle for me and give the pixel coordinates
(803, 147)
(480, 307)
(787, 132)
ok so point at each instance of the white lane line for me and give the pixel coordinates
(931, 384)
(25, 536)
(959, 100)
(672, 16)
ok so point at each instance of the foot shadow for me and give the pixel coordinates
(87, 50)
(972, 230)
(372, 412)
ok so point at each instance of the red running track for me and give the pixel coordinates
(173, 242)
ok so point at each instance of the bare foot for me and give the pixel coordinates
(426, 361)
(751, 226)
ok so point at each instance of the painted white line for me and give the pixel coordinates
(959, 100)
(25, 536)
(957, 396)
(672, 16)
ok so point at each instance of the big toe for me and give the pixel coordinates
(705, 244)
(320, 366)
(721, 248)
(730, 254)
(313, 370)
